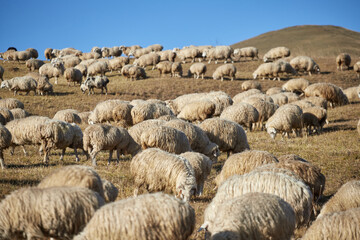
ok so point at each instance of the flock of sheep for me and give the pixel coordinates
(173, 145)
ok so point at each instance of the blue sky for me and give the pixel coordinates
(83, 24)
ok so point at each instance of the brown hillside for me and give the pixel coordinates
(309, 40)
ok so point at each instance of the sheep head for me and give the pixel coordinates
(272, 132)
(5, 84)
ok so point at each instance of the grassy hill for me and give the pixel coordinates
(309, 40)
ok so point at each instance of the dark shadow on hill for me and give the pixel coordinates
(36, 165)
(62, 93)
(325, 73)
(20, 183)
(339, 128)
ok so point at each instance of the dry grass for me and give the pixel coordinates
(336, 150)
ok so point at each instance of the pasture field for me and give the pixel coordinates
(336, 151)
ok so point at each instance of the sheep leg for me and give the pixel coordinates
(106, 90)
(200, 188)
(56, 80)
(62, 154)
(12, 150)
(76, 155)
(3, 166)
(110, 156)
(117, 156)
(24, 150)
(93, 154)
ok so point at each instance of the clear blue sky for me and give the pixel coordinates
(83, 24)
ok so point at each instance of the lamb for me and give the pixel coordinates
(54, 69)
(103, 111)
(338, 225)
(43, 84)
(166, 138)
(148, 60)
(274, 90)
(343, 59)
(297, 85)
(197, 111)
(118, 62)
(152, 216)
(328, 91)
(11, 103)
(245, 52)
(5, 141)
(252, 216)
(217, 53)
(287, 118)
(244, 162)
(240, 96)
(276, 53)
(356, 69)
(242, 113)
(19, 113)
(352, 93)
(99, 67)
(224, 70)
(48, 54)
(306, 64)
(57, 212)
(250, 84)
(168, 55)
(158, 170)
(191, 53)
(148, 110)
(99, 137)
(228, 135)
(279, 99)
(197, 69)
(20, 84)
(68, 115)
(34, 64)
(73, 75)
(99, 82)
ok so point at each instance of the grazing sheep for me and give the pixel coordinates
(21, 56)
(337, 225)
(332, 93)
(19, 113)
(241, 113)
(176, 69)
(197, 111)
(127, 50)
(20, 84)
(149, 216)
(244, 162)
(70, 61)
(150, 59)
(240, 96)
(245, 52)
(83, 69)
(103, 111)
(265, 109)
(34, 64)
(306, 64)
(121, 114)
(224, 70)
(99, 137)
(274, 90)
(252, 216)
(343, 59)
(110, 191)
(57, 212)
(147, 111)
(218, 53)
(90, 55)
(297, 85)
(292, 97)
(33, 52)
(137, 53)
(43, 84)
(228, 135)
(111, 52)
(73, 75)
(315, 117)
(259, 96)
(136, 130)
(68, 115)
(48, 54)
(250, 84)
(166, 138)
(346, 198)
(136, 72)
(317, 101)
(197, 69)
(167, 55)
(99, 82)
(99, 67)
(158, 170)
(54, 69)
(352, 93)
(303, 104)
(155, 47)
(164, 67)
(276, 53)
(286, 118)
(84, 116)
(117, 63)
(356, 69)
(11, 103)
(279, 99)
(187, 53)
(7, 114)
(5, 141)
(70, 51)
(267, 70)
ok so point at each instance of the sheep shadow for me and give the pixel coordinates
(35, 165)
(62, 93)
(18, 182)
(338, 128)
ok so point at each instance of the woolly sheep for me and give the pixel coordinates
(5, 141)
(135, 72)
(317, 101)
(121, 114)
(275, 53)
(164, 67)
(176, 69)
(20, 84)
(292, 97)
(224, 70)
(127, 50)
(57, 212)
(266, 70)
(149, 216)
(168, 55)
(147, 111)
(150, 59)
(274, 90)
(7, 114)
(34, 64)
(197, 111)
(99, 137)
(22, 55)
(83, 69)
(306, 64)
(155, 47)
(158, 170)
(70, 61)
(337, 225)
(137, 53)
(343, 59)
(48, 54)
(111, 52)
(285, 67)
(117, 63)
(84, 116)
(11, 103)
(328, 91)
(252, 216)
(228, 135)
(90, 55)
(303, 104)
(19, 113)
(218, 53)
(258, 96)
(110, 191)
(54, 69)
(99, 67)
(68, 115)
(166, 138)
(320, 115)
(70, 51)
(279, 99)
(286, 118)
(99, 82)
(241, 113)
(352, 93)
(187, 53)
(356, 69)
(265, 109)
(244, 162)
(43, 84)
(297, 85)
(246, 52)
(136, 130)
(240, 96)
(197, 69)
(250, 84)
(73, 75)
(103, 111)
(33, 52)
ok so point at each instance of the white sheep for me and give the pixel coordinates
(118, 62)
(19, 113)
(54, 69)
(251, 52)
(218, 53)
(242, 113)
(136, 130)
(73, 75)
(90, 55)
(11, 103)
(127, 50)
(276, 53)
(279, 99)
(5, 141)
(110, 191)
(20, 84)
(328, 91)
(33, 64)
(149, 110)
(352, 93)
(68, 115)
(43, 84)
(90, 83)
(297, 85)
(224, 70)
(315, 117)
(103, 111)
(70, 60)
(240, 96)
(197, 111)
(176, 69)
(250, 84)
(306, 64)
(150, 59)
(83, 69)
(197, 69)
(273, 70)
(187, 53)
(167, 55)
(274, 90)
(99, 67)
(343, 59)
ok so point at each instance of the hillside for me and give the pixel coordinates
(309, 40)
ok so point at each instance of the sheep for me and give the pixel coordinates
(266, 70)
(315, 117)
(241, 113)
(292, 97)
(88, 62)
(137, 53)
(110, 191)
(224, 70)
(317, 101)
(136, 72)
(287, 118)
(111, 52)
(33, 52)
(73, 75)
(48, 54)
(199, 141)
(276, 53)
(34, 64)
(20, 84)
(244, 162)
(136, 130)
(148, 110)
(197, 69)
(303, 104)
(7, 114)
(356, 69)
(252, 216)
(297, 85)
(70, 61)
(217, 53)
(250, 84)
(84, 116)
(258, 96)
(22, 55)
(43, 84)
(346, 198)
(164, 67)
(176, 69)
(70, 51)
(191, 53)
(245, 52)
(121, 114)
(19, 113)
(149, 216)
(99, 137)
(274, 90)
(54, 69)
(158, 170)
(74, 176)
(228, 135)
(279, 99)
(168, 55)
(90, 55)
(68, 115)
(240, 96)
(337, 225)
(148, 60)
(99, 82)
(57, 212)
(103, 111)
(83, 69)
(306, 64)
(166, 138)
(155, 47)
(5, 141)
(343, 59)
(332, 93)
(127, 50)
(352, 93)
(11, 103)
(289, 188)
(118, 62)
(100, 67)
(285, 67)
(197, 111)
